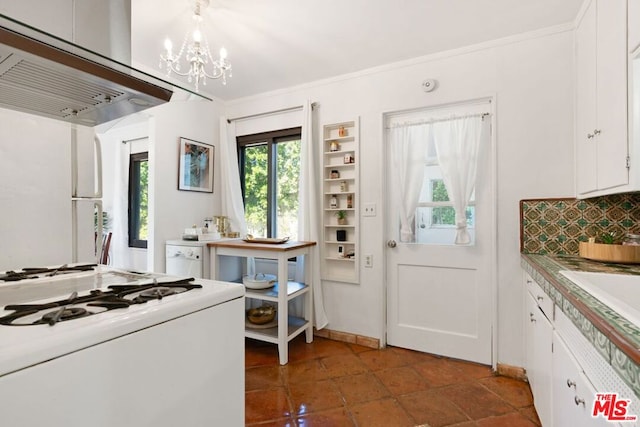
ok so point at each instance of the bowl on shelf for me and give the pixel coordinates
(258, 281)
(261, 315)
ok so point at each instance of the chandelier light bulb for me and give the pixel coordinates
(197, 35)
(195, 51)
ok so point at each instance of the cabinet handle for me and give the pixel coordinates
(540, 298)
(597, 132)
(570, 383)
(590, 135)
(578, 401)
(531, 318)
(529, 281)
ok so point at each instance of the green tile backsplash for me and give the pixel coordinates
(556, 226)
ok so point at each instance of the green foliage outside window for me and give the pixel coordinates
(256, 178)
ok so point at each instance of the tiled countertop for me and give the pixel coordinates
(615, 338)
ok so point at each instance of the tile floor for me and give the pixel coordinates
(330, 383)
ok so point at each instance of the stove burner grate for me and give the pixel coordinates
(117, 297)
(34, 273)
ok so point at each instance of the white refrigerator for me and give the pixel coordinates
(50, 191)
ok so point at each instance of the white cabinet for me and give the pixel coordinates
(340, 241)
(601, 98)
(538, 342)
(573, 393)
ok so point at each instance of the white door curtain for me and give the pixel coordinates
(408, 151)
(457, 143)
(308, 211)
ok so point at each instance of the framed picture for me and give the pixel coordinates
(195, 167)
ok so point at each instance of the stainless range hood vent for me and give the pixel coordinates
(44, 75)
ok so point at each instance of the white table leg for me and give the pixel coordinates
(308, 299)
(283, 309)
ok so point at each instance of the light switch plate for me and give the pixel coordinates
(369, 209)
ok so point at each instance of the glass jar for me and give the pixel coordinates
(632, 240)
(333, 203)
(343, 186)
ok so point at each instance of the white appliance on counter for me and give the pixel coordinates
(86, 342)
(187, 258)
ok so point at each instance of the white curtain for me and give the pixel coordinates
(408, 150)
(457, 143)
(119, 216)
(309, 211)
(232, 205)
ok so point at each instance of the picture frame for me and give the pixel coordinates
(195, 166)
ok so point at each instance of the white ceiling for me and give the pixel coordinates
(274, 44)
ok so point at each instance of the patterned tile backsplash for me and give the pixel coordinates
(556, 226)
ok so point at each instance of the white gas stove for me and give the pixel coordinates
(133, 349)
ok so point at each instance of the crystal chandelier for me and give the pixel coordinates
(198, 56)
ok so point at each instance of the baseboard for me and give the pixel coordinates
(515, 372)
(347, 337)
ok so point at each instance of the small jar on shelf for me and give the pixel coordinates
(335, 174)
(333, 202)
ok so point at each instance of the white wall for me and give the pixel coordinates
(170, 210)
(174, 210)
(532, 80)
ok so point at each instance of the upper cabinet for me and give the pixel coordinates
(601, 99)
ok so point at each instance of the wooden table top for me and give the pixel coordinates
(276, 247)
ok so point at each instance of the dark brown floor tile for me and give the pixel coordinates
(262, 377)
(320, 347)
(361, 388)
(266, 405)
(510, 420)
(314, 396)
(471, 369)
(344, 364)
(475, 400)
(307, 370)
(531, 414)
(284, 422)
(516, 393)
(358, 348)
(402, 380)
(331, 418)
(260, 354)
(429, 407)
(381, 413)
(412, 357)
(439, 372)
(377, 360)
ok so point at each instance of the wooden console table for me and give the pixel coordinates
(288, 327)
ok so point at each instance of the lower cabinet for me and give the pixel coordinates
(564, 370)
(538, 337)
(573, 393)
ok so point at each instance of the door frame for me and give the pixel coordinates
(493, 167)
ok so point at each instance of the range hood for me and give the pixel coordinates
(45, 75)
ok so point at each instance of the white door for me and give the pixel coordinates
(440, 295)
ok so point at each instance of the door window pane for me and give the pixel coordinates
(138, 200)
(255, 189)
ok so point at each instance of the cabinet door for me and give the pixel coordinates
(611, 95)
(573, 393)
(586, 155)
(633, 13)
(539, 360)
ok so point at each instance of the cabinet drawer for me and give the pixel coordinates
(542, 299)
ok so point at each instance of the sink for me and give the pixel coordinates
(621, 292)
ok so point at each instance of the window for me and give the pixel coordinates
(435, 221)
(269, 172)
(138, 199)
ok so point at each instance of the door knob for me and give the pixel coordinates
(391, 243)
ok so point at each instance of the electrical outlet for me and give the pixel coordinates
(369, 209)
(368, 261)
